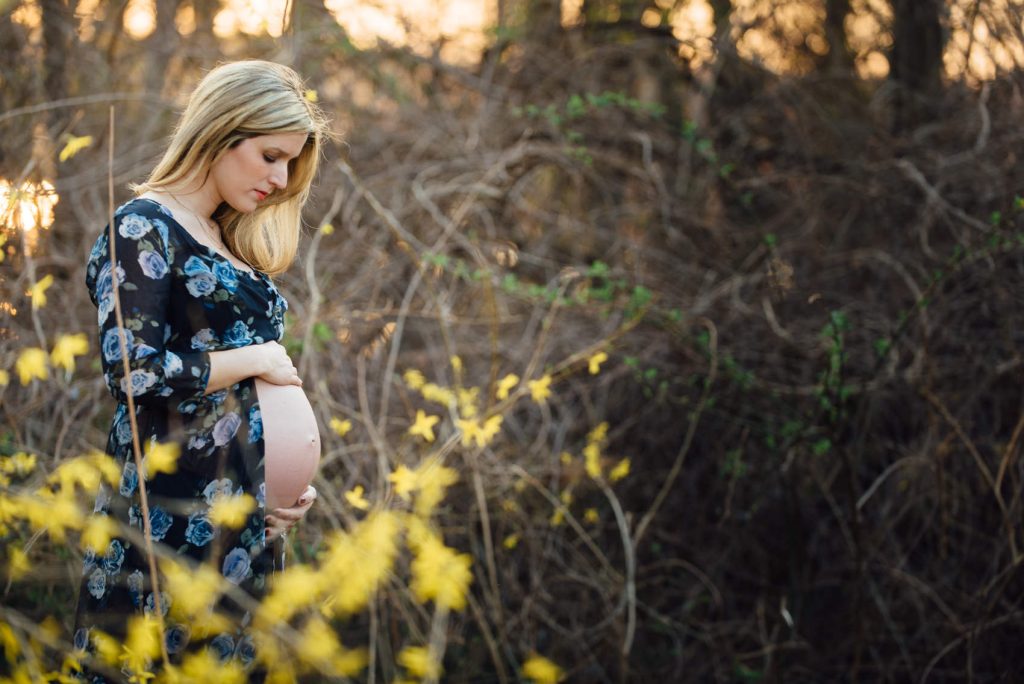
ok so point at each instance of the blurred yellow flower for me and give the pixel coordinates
(565, 458)
(142, 644)
(31, 364)
(505, 385)
(592, 460)
(18, 564)
(74, 145)
(38, 291)
(619, 471)
(311, 95)
(404, 480)
(566, 497)
(438, 394)
(467, 401)
(67, 348)
(20, 464)
(161, 457)
(440, 574)
(595, 361)
(590, 515)
(540, 670)
(98, 532)
(232, 511)
(355, 498)
(318, 643)
(424, 425)
(599, 433)
(203, 667)
(540, 389)
(5, 378)
(107, 647)
(340, 427)
(558, 517)
(432, 479)
(511, 541)
(417, 660)
(414, 379)
(456, 364)
(327, 229)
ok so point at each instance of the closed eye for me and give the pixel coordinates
(269, 159)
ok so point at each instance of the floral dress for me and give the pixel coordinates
(180, 301)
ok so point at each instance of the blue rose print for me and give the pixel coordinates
(152, 264)
(165, 603)
(176, 638)
(236, 565)
(142, 350)
(135, 588)
(105, 292)
(226, 428)
(129, 479)
(88, 561)
(159, 520)
(123, 431)
(161, 228)
(261, 495)
(134, 226)
(216, 489)
(99, 248)
(222, 646)
(195, 266)
(97, 583)
(201, 284)
(238, 334)
(225, 273)
(172, 365)
(203, 339)
(255, 424)
(81, 639)
(112, 344)
(199, 531)
(114, 557)
(141, 380)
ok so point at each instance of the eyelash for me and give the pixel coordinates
(269, 160)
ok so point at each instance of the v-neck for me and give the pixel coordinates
(254, 275)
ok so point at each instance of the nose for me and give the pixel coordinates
(279, 175)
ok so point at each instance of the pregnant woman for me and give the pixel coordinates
(195, 252)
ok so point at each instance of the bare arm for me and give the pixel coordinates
(268, 361)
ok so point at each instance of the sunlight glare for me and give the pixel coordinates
(27, 208)
(251, 17)
(140, 18)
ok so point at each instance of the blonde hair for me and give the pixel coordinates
(233, 102)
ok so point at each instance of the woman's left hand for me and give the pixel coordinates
(280, 520)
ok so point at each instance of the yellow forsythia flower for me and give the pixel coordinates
(414, 379)
(439, 573)
(505, 385)
(38, 291)
(620, 471)
(590, 515)
(417, 660)
(22, 463)
(424, 425)
(467, 401)
(327, 229)
(595, 361)
(511, 541)
(341, 427)
(232, 511)
(558, 517)
(456, 364)
(405, 481)
(566, 497)
(74, 145)
(540, 670)
(5, 378)
(355, 498)
(438, 394)
(98, 533)
(433, 479)
(67, 348)
(599, 433)
(592, 460)
(31, 364)
(108, 648)
(540, 389)
(565, 458)
(194, 589)
(18, 564)
(204, 667)
(311, 95)
(161, 458)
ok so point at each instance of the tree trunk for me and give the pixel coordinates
(839, 61)
(916, 61)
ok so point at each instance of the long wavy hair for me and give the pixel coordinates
(233, 102)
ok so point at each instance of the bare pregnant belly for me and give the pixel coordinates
(291, 442)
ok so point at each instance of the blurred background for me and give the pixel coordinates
(774, 247)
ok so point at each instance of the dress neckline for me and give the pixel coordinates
(254, 275)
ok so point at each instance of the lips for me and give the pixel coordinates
(262, 195)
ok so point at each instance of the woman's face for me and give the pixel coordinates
(254, 168)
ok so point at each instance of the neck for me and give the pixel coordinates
(202, 202)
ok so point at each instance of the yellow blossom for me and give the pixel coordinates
(22, 463)
(511, 541)
(295, 588)
(5, 378)
(540, 670)
(142, 644)
(505, 385)
(558, 517)
(356, 563)
(107, 647)
(592, 460)
(67, 348)
(469, 428)
(509, 506)
(491, 427)
(31, 363)
(414, 379)
(232, 511)
(599, 433)
(456, 364)
(38, 291)
(404, 481)
(432, 479)
(203, 667)
(595, 361)
(565, 458)
(590, 515)
(417, 660)
(195, 588)
(467, 401)
(311, 95)
(18, 564)
(437, 394)
(540, 389)
(440, 574)
(98, 532)
(355, 498)
(424, 425)
(327, 229)
(318, 642)
(161, 457)
(475, 433)
(340, 427)
(619, 471)
(74, 145)
(566, 497)
(12, 647)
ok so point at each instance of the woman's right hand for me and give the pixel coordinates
(278, 365)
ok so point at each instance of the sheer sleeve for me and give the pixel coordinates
(157, 375)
